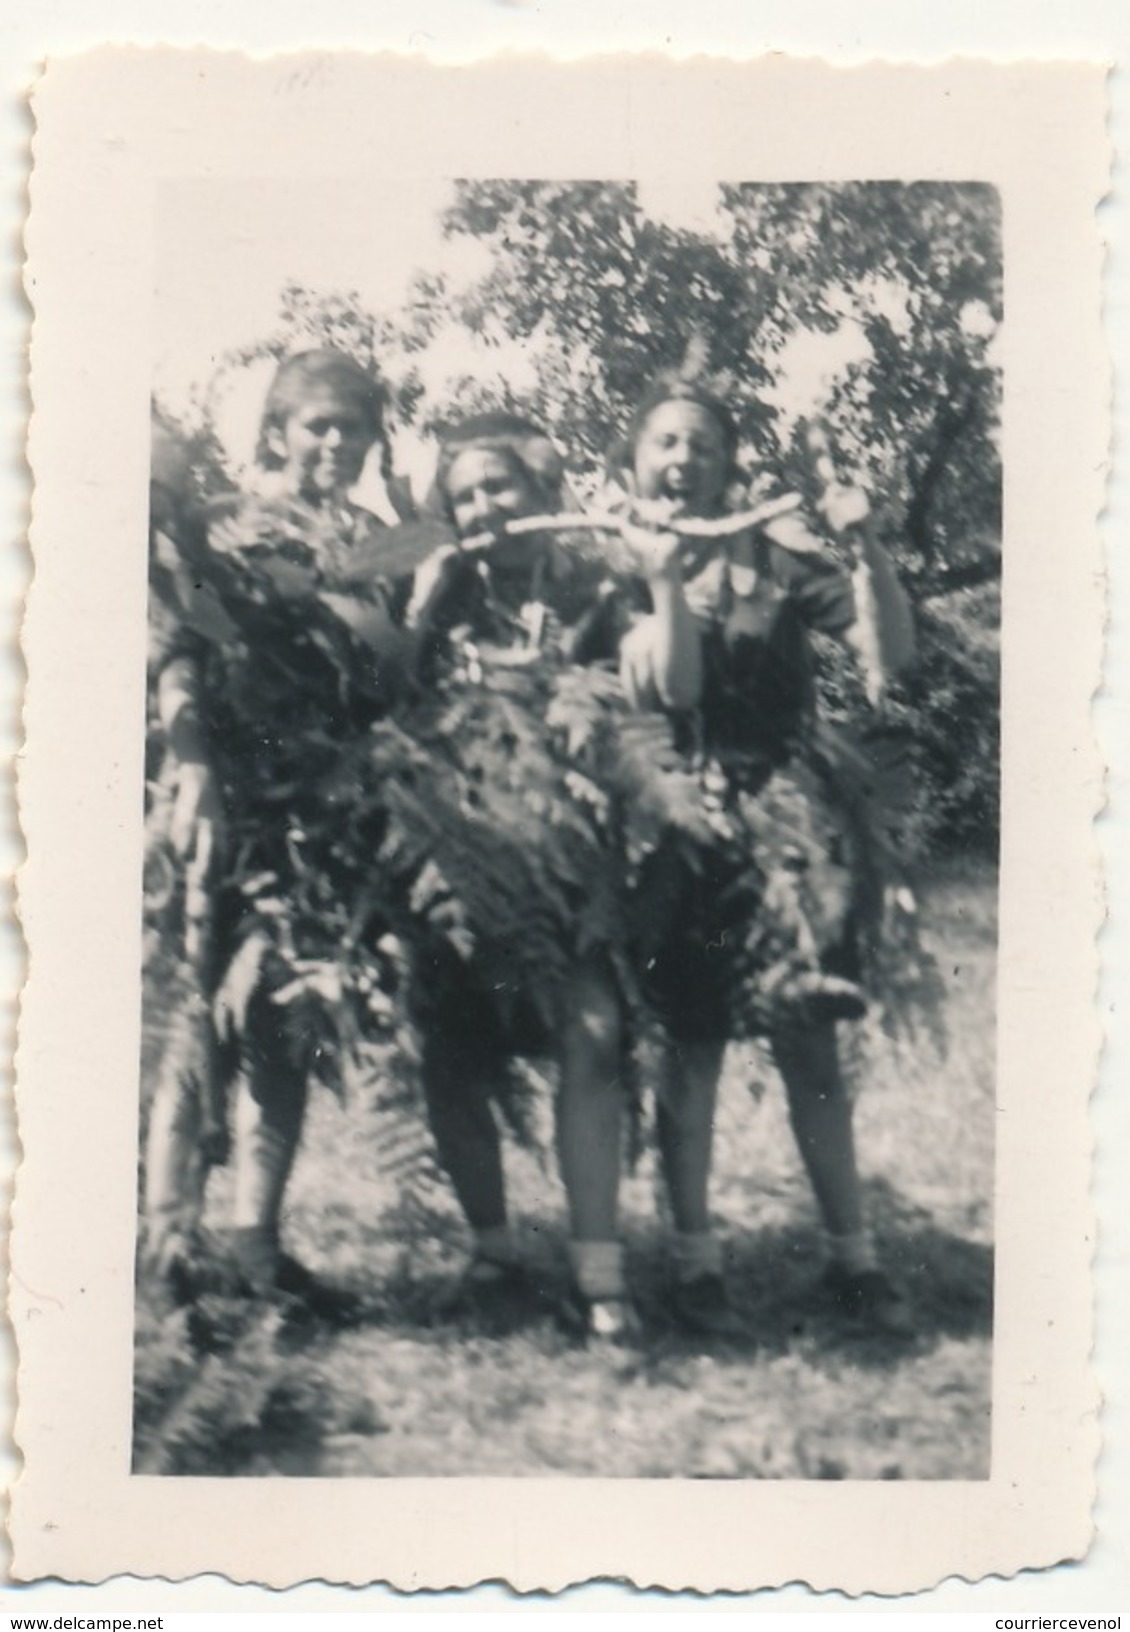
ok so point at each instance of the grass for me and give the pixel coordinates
(408, 1393)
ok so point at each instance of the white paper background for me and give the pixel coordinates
(461, 30)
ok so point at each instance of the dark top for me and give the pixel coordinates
(314, 653)
(757, 604)
(572, 611)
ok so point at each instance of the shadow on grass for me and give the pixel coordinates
(271, 1395)
(774, 1277)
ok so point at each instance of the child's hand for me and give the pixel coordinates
(656, 556)
(431, 579)
(844, 507)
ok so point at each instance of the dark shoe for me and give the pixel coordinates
(190, 1265)
(227, 1301)
(601, 1320)
(702, 1305)
(500, 1297)
(337, 1305)
(258, 1268)
(868, 1297)
(168, 1269)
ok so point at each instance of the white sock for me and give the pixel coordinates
(598, 1268)
(854, 1252)
(693, 1256)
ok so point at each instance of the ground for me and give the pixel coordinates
(415, 1391)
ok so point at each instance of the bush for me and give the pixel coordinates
(940, 729)
(953, 701)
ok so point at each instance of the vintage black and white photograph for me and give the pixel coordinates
(562, 1005)
(571, 836)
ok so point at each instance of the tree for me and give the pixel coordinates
(609, 297)
(918, 266)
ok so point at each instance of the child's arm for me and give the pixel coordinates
(883, 633)
(862, 604)
(431, 587)
(885, 624)
(661, 658)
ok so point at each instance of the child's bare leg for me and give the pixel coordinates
(180, 1143)
(457, 1077)
(688, 1092)
(821, 1116)
(589, 1121)
(174, 1167)
(268, 1125)
(270, 1104)
(822, 1122)
(457, 1091)
(590, 1106)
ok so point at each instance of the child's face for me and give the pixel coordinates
(323, 445)
(680, 454)
(485, 490)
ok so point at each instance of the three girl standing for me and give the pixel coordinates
(722, 651)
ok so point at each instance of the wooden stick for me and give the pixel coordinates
(612, 521)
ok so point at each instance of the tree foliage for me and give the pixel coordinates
(609, 297)
(919, 267)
